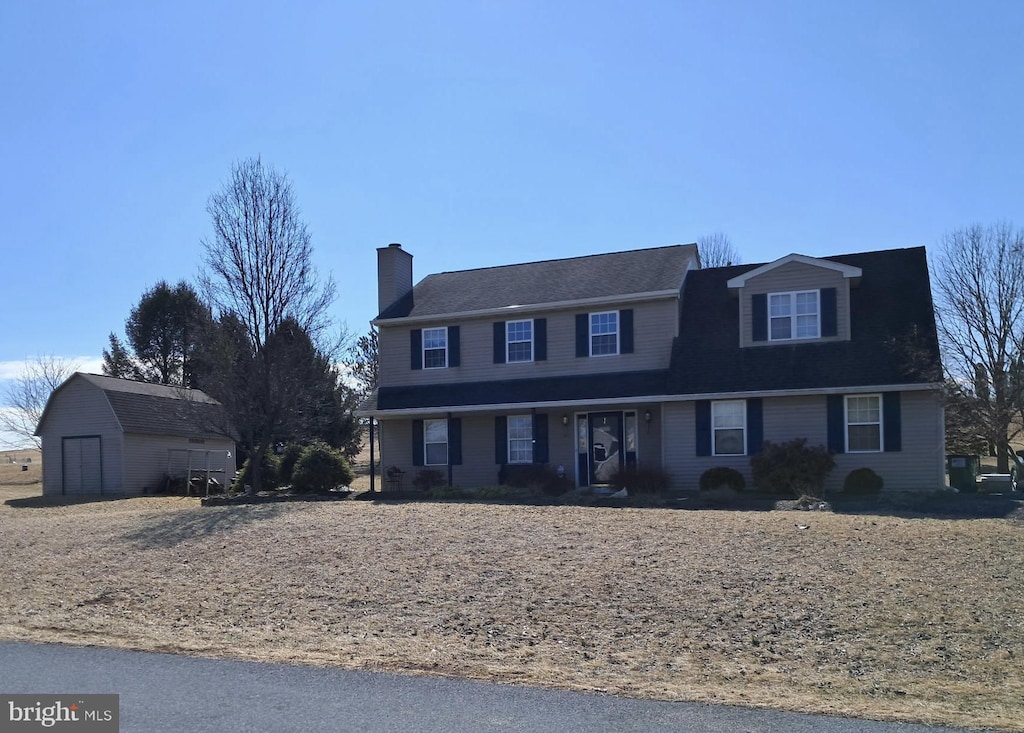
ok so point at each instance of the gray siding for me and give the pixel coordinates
(146, 460)
(655, 323)
(795, 276)
(917, 467)
(478, 466)
(81, 410)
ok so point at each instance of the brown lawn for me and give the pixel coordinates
(866, 615)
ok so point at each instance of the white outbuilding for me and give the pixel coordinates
(103, 435)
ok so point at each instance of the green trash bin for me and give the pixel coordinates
(963, 472)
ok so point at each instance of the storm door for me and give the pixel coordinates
(606, 455)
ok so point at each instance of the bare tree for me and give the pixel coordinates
(717, 250)
(978, 277)
(28, 394)
(260, 279)
(259, 261)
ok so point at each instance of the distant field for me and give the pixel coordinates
(11, 462)
(866, 614)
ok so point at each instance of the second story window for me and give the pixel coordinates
(435, 348)
(793, 315)
(519, 339)
(604, 333)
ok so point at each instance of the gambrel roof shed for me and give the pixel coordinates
(107, 435)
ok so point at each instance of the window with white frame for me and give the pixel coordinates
(519, 341)
(604, 333)
(435, 348)
(794, 315)
(729, 427)
(520, 439)
(864, 423)
(435, 442)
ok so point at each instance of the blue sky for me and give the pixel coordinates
(484, 133)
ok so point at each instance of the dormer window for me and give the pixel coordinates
(794, 315)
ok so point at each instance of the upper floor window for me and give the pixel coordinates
(604, 333)
(435, 348)
(435, 442)
(793, 315)
(519, 340)
(520, 439)
(729, 427)
(864, 423)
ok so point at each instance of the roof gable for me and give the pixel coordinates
(656, 271)
(847, 271)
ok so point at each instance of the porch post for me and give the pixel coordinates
(372, 457)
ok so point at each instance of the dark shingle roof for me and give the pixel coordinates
(160, 409)
(534, 283)
(892, 316)
(547, 389)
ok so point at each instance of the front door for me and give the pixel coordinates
(605, 446)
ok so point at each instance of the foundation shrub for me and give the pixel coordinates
(722, 477)
(862, 482)
(536, 477)
(792, 468)
(427, 479)
(641, 480)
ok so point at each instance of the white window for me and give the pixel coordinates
(729, 427)
(435, 348)
(604, 333)
(864, 424)
(519, 340)
(435, 442)
(520, 439)
(793, 315)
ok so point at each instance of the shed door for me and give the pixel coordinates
(83, 468)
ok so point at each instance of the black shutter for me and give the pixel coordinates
(626, 331)
(540, 438)
(836, 423)
(582, 334)
(540, 339)
(892, 422)
(455, 441)
(829, 317)
(702, 410)
(453, 346)
(499, 342)
(417, 443)
(759, 316)
(755, 425)
(500, 440)
(416, 347)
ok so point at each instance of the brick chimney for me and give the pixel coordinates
(394, 275)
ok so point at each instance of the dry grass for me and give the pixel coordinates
(876, 616)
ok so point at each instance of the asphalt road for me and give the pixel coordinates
(163, 693)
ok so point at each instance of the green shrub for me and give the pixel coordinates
(862, 482)
(270, 474)
(722, 477)
(446, 492)
(428, 478)
(792, 468)
(641, 480)
(320, 468)
(287, 460)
